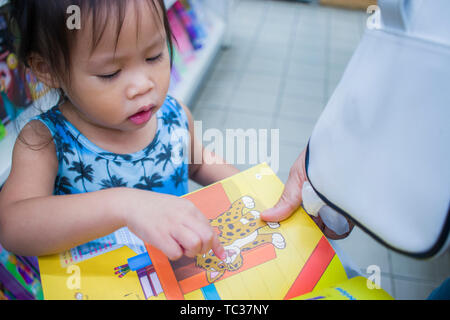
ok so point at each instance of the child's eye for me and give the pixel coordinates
(109, 76)
(155, 58)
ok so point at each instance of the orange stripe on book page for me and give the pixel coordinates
(313, 269)
(193, 283)
(165, 274)
(211, 201)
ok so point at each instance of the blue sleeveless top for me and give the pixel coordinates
(160, 167)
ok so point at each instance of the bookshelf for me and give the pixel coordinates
(189, 85)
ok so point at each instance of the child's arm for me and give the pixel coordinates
(211, 168)
(34, 222)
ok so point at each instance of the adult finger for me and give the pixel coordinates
(291, 197)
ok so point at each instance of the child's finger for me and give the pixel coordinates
(217, 247)
(200, 224)
(203, 232)
(209, 237)
(210, 241)
(189, 240)
(169, 247)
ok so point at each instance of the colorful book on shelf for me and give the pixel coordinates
(182, 40)
(4, 294)
(264, 260)
(2, 131)
(4, 117)
(12, 268)
(178, 67)
(202, 15)
(194, 28)
(16, 94)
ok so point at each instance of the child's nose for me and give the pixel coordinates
(140, 85)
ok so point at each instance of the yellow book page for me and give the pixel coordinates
(90, 279)
(356, 288)
(335, 273)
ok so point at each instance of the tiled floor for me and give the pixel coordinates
(283, 63)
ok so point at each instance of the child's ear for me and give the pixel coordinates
(42, 71)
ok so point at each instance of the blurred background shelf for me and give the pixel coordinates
(188, 87)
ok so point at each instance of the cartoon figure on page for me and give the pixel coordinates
(240, 230)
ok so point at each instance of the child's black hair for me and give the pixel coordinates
(40, 28)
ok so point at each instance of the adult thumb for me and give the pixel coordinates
(289, 201)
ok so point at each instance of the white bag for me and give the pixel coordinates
(380, 152)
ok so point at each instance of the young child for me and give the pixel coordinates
(112, 152)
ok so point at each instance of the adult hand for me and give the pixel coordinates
(291, 199)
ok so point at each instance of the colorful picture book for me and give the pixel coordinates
(357, 288)
(14, 272)
(264, 260)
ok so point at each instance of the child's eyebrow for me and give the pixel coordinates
(111, 58)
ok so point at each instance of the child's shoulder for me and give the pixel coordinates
(39, 128)
(51, 118)
(34, 134)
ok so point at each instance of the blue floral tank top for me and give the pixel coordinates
(160, 167)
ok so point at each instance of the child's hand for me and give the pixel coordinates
(173, 225)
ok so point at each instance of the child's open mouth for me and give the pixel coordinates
(142, 117)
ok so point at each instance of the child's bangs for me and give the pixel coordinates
(103, 14)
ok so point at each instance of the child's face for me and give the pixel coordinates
(121, 88)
